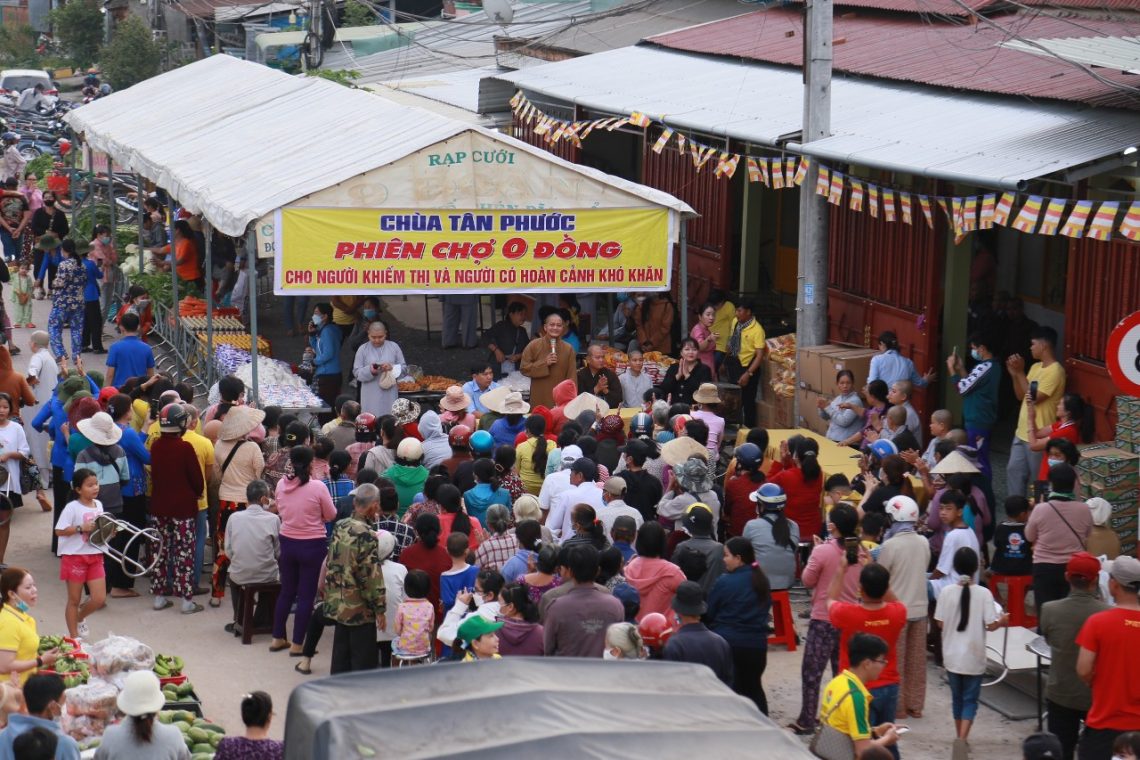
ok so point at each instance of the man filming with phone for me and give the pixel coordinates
(1046, 380)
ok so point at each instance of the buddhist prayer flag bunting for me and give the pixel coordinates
(753, 169)
(516, 100)
(1052, 219)
(986, 217)
(1078, 218)
(639, 119)
(1026, 221)
(835, 194)
(956, 217)
(943, 203)
(680, 142)
(856, 201)
(778, 175)
(888, 205)
(970, 214)
(726, 166)
(790, 172)
(904, 203)
(823, 183)
(1102, 223)
(1003, 209)
(1130, 227)
(924, 202)
(802, 171)
(764, 170)
(873, 200)
(663, 140)
(617, 123)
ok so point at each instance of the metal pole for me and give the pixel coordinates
(684, 315)
(174, 310)
(811, 293)
(142, 214)
(111, 191)
(252, 275)
(208, 233)
(73, 185)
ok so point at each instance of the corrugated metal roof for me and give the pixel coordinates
(1120, 5)
(1118, 53)
(970, 138)
(933, 7)
(963, 57)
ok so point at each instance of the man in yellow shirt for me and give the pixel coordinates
(846, 703)
(1049, 375)
(724, 311)
(346, 310)
(745, 354)
(204, 450)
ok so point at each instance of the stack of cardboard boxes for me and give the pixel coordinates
(1128, 423)
(818, 366)
(1114, 475)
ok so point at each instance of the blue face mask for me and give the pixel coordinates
(22, 606)
(975, 354)
(318, 320)
(370, 313)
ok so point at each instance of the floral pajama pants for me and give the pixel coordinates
(221, 561)
(174, 573)
(56, 319)
(820, 647)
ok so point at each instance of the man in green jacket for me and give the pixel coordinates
(355, 597)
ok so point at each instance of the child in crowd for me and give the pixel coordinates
(965, 611)
(337, 480)
(899, 395)
(1013, 554)
(365, 442)
(957, 535)
(22, 297)
(623, 532)
(461, 575)
(872, 527)
(635, 383)
(415, 618)
(322, 450)
(940, 425)
(835, 489)
(80, 562)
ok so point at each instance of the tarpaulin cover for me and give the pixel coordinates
(531, 707)
(235, 140)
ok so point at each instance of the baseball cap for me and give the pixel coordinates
(570, 455)
(615, 486)
(1043, 746)
(1083, 565)
(475, 626)
(1126, 571)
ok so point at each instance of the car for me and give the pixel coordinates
(15, 81)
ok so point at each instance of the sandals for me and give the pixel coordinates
(278, 647)
(215, 601)
(192, 609)
(295, 653)
(305, 671)
(799, 730)
(45, 505)
(123, 593)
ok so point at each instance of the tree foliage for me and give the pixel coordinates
(18, 47)
(358, 14)
(78, 26)
(133, 54)
(347, 77)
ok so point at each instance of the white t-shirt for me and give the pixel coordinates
(613, 511)
(76, 514)
(964, 652)
(43, 367)
(394, 576)
(13, 438)
(955, 540)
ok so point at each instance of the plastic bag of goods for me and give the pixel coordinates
(118, 653)
(94, 699)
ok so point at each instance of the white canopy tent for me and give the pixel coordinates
(234, 141)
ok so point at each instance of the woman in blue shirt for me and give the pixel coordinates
(487, 491)
(92, 316)
(738, 608)
(324, 340)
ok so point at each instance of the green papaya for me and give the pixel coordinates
(198, 735)
(204, 747)
(202, 756)
(210, 726)
(184, 689)
(166, 716)
(181, 725)
(216, 739)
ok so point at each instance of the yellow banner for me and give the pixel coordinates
(323, 251)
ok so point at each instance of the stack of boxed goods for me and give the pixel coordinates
(780, 389)
(1114, 475)
(1128, 423)
(818, 366)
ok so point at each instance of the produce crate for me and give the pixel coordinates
(191, 704)
(175, 680)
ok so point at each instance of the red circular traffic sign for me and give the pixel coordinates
(1123, 355)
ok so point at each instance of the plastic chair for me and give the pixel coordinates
(785, 626)
(410, 660)
(1017, 587)
(255, 597)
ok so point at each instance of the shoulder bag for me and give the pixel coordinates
(828, 742)
(1068, 525)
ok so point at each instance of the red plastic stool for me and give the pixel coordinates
(1017, 586)
(782, 621)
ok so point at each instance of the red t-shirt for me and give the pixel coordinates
(805, 499)
(741, 508)
(435, 562)
(1066, 430)
(886, 622)
(1114, 635)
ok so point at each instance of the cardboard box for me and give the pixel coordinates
(1128, 408)
(809, 412)
(1114, 494)
(809, 368)
(1123, 522)
(1097, 461)
(858, 360)
(1127, 445)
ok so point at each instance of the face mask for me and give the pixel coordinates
(975, 354)
(22, 606)
(49, 203)
(318, 320)
(1055, 462)
(370, 313)
(609, 655)
(105, 239)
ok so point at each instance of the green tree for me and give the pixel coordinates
(358, 14)
(347, 77)
(18, 47)
(132, 56)
(79, 28)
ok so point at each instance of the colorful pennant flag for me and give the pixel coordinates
(970, 214)
(873, 199)
(618, 123)
(1052, 219)
(680, 142)
(516, 99)
(942, 204)
(904, 202)
(888, 204)
(753, 169)
(1003, 209)
(835, 193)
(986, 218)
(801, 172)
(663, 140)
(1130, 227)
(777, 175)
(1078, 218)
(856, 201)
(789, 172)
(1026, 221)
(924, 202)
(726, 165)
(957, 217)
(763, 170)
(1104, 221)
(639, 119)
(823, 183)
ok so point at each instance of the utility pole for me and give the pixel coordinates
(811, 290)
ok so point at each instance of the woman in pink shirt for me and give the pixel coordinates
(703, 334)
(822, 643)
(305, 506)
(655, 578)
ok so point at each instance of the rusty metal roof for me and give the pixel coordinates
(933, 7)
(917, 49)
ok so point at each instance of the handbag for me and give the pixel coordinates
(29, 475)
(829, 742)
